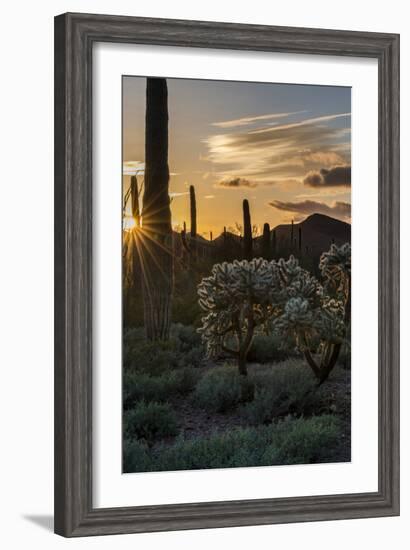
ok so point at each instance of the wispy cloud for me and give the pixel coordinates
(307, 121)
(275, 154)
(244, 121)
(337, 209)
(209, 196)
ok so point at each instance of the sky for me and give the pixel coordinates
(284, 147)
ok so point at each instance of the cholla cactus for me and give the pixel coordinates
(335, 267)
(237, 298)
(311, 313)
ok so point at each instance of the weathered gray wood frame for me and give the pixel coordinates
(74, 38)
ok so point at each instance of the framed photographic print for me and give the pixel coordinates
(226, 274)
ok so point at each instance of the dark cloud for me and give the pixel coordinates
(332, 177)
(338, 209)
(235, 182)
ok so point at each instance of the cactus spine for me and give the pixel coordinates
(247, 231)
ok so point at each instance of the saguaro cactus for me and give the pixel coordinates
(300, 240)
(191, 247)
(266, 251)
(193, 210)
(247, 231)
(156, 236)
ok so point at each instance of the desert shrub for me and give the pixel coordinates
(268, 349)
(183, 349)
(304, 441)
(221, 389)
(150, 421)
(280, 390)
(136, 456)
(184, 380)
(186, 337)
(151, 357)
(143, 386)
(139, 386)
(291, 441)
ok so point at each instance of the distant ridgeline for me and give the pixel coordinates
(305, 240)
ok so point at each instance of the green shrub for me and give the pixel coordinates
(301, 441)
(150, 421)
(184, 380)
(135, 453)
(186, 337)
(304, 441)
(141, 386)
(221, 389)
(154, 358)
(288, 387)
(184, 349)
(268, 349)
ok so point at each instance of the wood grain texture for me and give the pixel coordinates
(74, 38)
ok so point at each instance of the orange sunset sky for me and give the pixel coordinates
(286, 148)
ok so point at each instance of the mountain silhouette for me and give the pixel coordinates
(318, 232)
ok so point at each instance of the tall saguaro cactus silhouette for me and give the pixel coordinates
(191, 247)
(156, 235)
(247, 231)
(192, 200)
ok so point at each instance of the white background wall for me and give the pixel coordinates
(26, 272)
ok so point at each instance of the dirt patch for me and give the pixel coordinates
(194, 422)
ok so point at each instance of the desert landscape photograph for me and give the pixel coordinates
(236, 274)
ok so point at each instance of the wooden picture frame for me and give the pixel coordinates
(75, 35)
